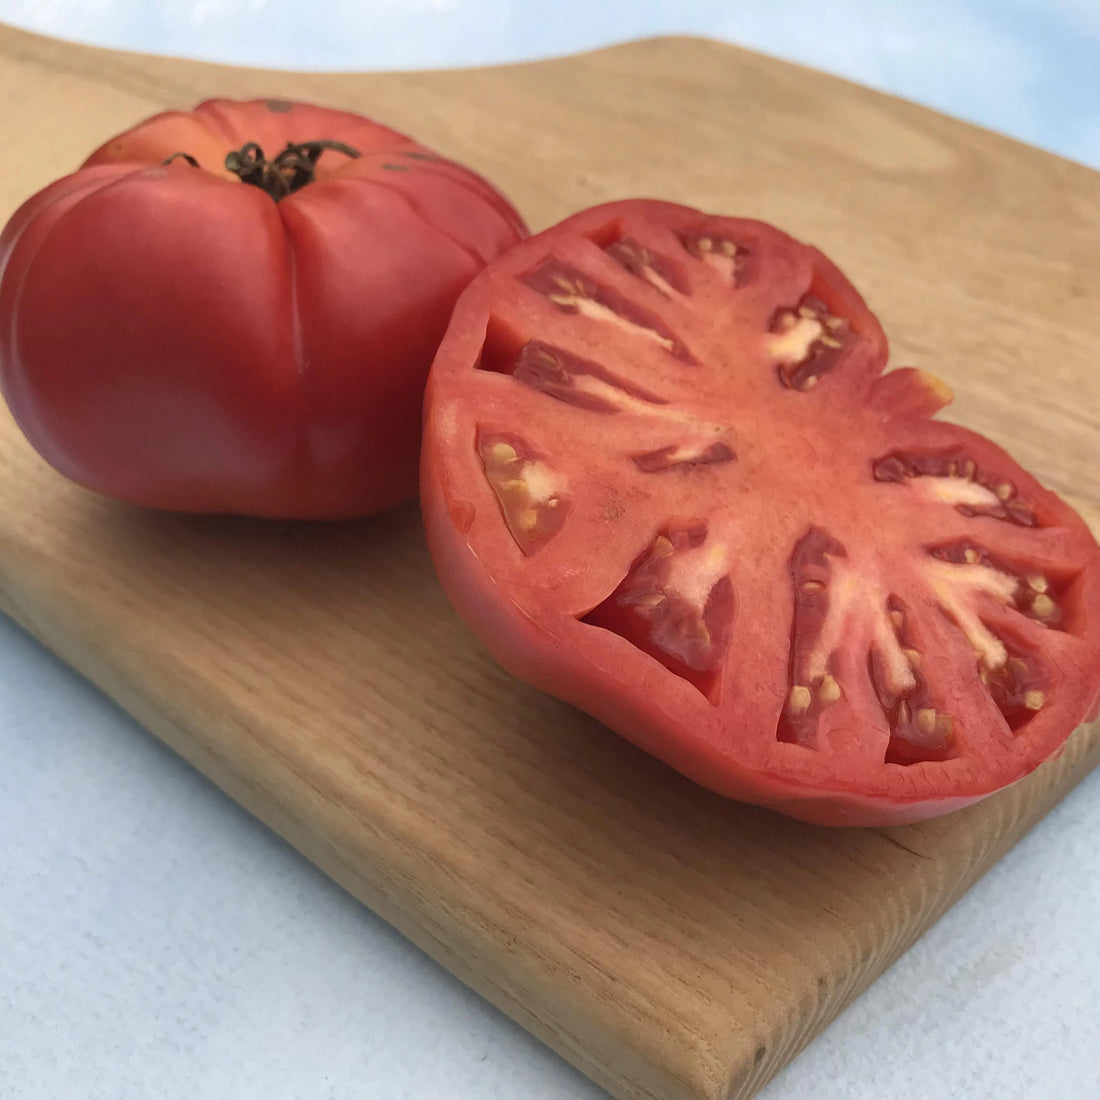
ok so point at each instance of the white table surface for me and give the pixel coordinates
(156, 941)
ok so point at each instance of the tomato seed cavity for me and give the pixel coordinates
(808, 342)
(573, 292)
(656, 270)
(918, 732)
(815, 633)
(532, 495)
(578, 381)
(1034, 595)
(955, 478)
(676, 604)
(730, 260)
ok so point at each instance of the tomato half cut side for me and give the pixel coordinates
(665, 478)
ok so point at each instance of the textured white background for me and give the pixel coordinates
(155, 941)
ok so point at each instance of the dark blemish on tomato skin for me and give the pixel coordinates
(278, 106)
(396, 167)
(414, 155)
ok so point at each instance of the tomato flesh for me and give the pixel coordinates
(665, 479)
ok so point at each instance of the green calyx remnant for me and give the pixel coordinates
(282, 175)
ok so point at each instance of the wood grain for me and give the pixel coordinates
(671, 944)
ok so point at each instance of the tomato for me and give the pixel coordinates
(665, 479)
(234, 309)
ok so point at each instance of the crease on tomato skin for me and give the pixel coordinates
(469, 180)
(86, 460)
(478, 259)
(508, 224)
(57, 200)
(436, 167)
(341, 420)
(305, 465)
(62, 191)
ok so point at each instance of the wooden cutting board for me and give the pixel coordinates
(670, 944)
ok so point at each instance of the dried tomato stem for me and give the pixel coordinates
(286, 173)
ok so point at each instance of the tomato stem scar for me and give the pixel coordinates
(289, 171)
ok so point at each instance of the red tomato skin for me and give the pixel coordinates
(174, 338)
(599, 672)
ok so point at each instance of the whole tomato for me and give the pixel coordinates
(234, 309)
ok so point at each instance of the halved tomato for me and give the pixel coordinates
(665, 479)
